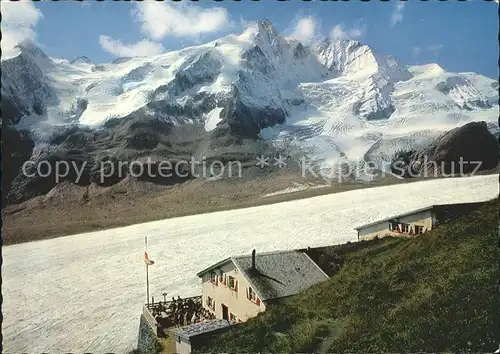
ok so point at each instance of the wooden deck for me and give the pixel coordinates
(163, 315)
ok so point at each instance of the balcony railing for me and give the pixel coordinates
(180, 312)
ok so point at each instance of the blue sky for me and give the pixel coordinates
(460, 36)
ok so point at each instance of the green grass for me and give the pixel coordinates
(435, 293)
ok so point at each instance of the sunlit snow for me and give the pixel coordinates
(339, 94)
(212, 119)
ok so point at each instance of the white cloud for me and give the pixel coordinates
(416, 51)
(340, 33)
(305, 29)
(161, 19)
(141, 49)
(397, 13)
(19, 20)
(435, 49)
(244, 24)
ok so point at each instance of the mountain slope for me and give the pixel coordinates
(434, 293)
(336, 102)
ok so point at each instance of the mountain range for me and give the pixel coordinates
(259, 92)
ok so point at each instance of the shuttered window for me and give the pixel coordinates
(213, 278)
(232, 283)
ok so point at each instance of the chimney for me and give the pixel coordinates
(253, 259)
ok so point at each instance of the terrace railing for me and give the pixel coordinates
(150, 320)
(167, 304)
(161, 315)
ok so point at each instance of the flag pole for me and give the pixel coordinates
(147, 272)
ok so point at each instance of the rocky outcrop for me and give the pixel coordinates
(45, 171)
(467, 149)
(17, 147)
(243, 119)
(81, 60)
(462, 91)
(25, 87)
(197, 70)
(84, 156)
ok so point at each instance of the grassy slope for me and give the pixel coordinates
(434, 293)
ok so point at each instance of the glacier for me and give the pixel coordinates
(84, 293)
(335, 100)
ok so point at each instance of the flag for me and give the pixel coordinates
(147, 260)
(146, 257)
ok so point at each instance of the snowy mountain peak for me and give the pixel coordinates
(351, 58)
(30, 48)
(121, 60)
(266, 25)
(328, 44)
(331, 97)
(81, 60)
(30, 52)
(432, 69)
(261, 31)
